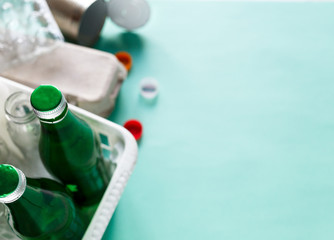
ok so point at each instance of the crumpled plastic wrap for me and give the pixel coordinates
(27, 29)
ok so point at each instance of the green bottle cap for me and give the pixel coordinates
(12, 183)
(48, 102)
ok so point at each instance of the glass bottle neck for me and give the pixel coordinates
(39, 212)
(51, 114)
(64, 121)
(53, 117)
(18, 108)
(20, 211)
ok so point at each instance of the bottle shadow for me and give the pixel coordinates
(125, 41)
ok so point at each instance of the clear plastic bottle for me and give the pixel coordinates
(27, 29)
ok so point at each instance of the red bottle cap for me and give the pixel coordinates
(135, 127)
(125, 58)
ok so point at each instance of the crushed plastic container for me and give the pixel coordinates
(27, 29)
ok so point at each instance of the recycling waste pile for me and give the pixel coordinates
(108, 156)
(63, 167)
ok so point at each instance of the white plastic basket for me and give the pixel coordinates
(116, 141)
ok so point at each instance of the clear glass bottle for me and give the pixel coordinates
(24, 129)
(38, 213)
(68, 147)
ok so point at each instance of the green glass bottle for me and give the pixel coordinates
(39, 213)
(68, 147)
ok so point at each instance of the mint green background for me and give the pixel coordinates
(240, 142)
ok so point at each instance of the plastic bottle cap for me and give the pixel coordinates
(46, 98)
(135, 128)
(149, 88)
(129, 14)
(48, 102)
(9, 179)
(12, 183)
(125, 58)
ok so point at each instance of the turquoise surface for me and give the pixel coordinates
(240, 142)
